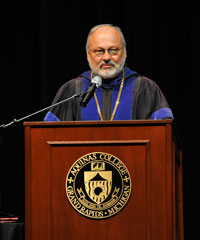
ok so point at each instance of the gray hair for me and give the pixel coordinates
(102, 25)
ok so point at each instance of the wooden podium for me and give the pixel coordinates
(148, 149)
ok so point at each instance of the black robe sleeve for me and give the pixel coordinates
(147, 98)
(70, 110)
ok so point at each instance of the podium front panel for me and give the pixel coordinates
(144, 147)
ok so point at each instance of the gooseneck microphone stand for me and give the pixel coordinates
(85, 98)
(42, 110)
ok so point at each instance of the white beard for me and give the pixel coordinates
(108, 73)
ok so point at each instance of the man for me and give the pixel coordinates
(123, 95)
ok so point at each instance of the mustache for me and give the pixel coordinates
(106, 62)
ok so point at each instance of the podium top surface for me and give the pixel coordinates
(96, 123)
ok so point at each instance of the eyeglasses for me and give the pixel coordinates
(101, 52)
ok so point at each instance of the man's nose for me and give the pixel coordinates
(106, 56)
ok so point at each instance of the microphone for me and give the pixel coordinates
(87, 95)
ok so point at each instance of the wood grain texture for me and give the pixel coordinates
(147, 149)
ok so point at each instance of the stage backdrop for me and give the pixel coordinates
(43, 45)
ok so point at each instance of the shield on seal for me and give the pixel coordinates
(98, 184)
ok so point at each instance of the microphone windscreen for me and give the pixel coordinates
(97, 80)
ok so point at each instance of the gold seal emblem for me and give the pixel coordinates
(98, 185)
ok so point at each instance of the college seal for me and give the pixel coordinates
(98, 185)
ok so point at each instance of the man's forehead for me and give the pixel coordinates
(105, 34)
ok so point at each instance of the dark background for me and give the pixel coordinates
(43, 45)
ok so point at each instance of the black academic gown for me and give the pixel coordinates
(141, 99)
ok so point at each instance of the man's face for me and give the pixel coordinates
(107, 65)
